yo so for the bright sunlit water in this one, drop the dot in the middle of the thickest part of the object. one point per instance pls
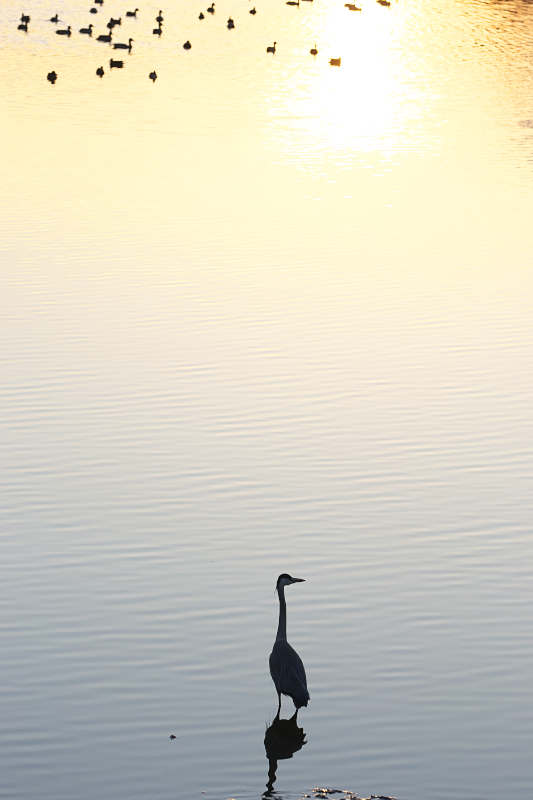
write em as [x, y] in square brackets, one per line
[267, 315]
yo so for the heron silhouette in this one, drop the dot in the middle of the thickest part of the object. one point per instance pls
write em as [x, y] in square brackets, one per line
[286, 666]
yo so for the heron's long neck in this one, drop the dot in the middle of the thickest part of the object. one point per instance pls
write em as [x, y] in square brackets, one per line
[281, 635]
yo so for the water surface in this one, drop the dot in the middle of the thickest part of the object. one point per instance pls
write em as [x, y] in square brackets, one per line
[266, 315]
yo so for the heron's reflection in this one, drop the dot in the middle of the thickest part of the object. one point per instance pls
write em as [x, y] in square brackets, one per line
[282, 740]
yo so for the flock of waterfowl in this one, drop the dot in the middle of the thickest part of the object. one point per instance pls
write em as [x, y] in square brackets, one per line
[107, 38]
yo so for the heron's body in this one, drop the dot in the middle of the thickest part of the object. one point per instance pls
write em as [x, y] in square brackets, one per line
[286, 667]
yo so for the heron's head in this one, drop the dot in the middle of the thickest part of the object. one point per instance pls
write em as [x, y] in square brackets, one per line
[286, 580]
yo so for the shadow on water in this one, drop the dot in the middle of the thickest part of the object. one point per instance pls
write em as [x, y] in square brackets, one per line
[282, 740]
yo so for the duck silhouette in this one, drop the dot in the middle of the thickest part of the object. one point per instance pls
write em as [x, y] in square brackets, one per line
[68, 32]
[187, 45]
[253, 11]
[272, 49]
[132, 13]
[100, 72]
[314, 51]
[153, 76]
[52, 76]
[122, 46]
[88, 31]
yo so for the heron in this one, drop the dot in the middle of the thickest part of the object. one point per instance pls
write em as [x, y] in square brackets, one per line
[286, 666]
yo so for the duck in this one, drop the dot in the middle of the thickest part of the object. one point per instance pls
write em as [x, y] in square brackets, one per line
[314, 51]
[201, 16]
[211, 10]
[159, 17]
[68, 32]
[88, 31]
[153, 76]
[52, 76]
[121, 46]
[293, 3]
[23, 27]
[272, 49]
[25, 18]
[352, 7]
[100, 72]
[116, 21]
[104, 38]
[384, 3]
[117, 64]
[132, 13]
[335, 62]
[158, 31]
[231, 24]
[100, 2]
[253, 11]
[187, 45]
[93, 11]
[54, 19]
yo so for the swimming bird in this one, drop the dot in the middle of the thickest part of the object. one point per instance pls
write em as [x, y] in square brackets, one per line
[158, 31]
[253, 11]
[335, 62]
[23, 27]
[132, 13]
[68, 32]
[117, 64]
[286, 666]
[351, 6]
[88, 31]
[25, 18]
[314, 51]
[211, 10]
[159, 17]
[272, 49]
[52, 76]
[153, 76]
[384, 3]
[121, 46]
[116, 21]
[187, 45]
[201, 16]
[100, 72]
[231, 24]
[54, 19]
[100, 2]
[105, 38]
[93, 11]
[293, 3]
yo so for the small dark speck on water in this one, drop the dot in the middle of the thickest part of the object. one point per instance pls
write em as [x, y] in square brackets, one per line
[172, 736]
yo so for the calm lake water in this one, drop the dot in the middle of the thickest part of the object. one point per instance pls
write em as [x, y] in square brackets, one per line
[267, 315]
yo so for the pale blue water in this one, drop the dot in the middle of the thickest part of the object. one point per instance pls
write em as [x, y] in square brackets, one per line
[267, 316]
